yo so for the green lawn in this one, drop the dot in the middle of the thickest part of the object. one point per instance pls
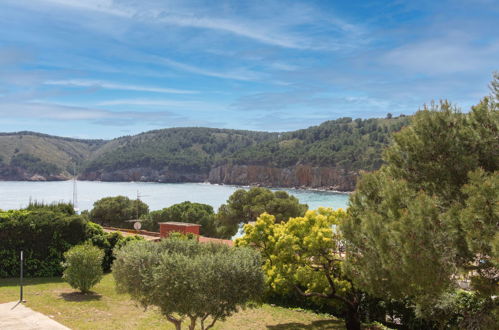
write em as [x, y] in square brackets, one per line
[105, 309]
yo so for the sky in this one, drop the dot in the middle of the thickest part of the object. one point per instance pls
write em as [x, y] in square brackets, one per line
[108, 68]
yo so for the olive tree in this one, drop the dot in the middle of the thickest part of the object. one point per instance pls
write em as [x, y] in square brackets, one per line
[203, 283]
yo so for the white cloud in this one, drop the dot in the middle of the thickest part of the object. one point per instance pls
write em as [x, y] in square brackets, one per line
[274, 30]
[111, 85]
[241, 74]
[443, 56]
[51, 111]
[190, 105]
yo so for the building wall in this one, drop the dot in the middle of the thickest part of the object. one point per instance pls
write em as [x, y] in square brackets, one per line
[165, 229]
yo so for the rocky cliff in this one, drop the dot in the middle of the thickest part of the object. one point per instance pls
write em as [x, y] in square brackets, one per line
[144, 174]
[300, 176]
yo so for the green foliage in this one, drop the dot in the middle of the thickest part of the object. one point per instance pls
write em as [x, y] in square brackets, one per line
[44, 235]
[45, 151]
[83, 266]
[34, 164]
[183, 278]
[244, 206]
[66, 208]
[114, 211]
[442, 145]
[429, 217]
[461, 310]
[108, 242]
[305, 254]
[343, 143]
[188, 154]
[184, 150]
[201, 214]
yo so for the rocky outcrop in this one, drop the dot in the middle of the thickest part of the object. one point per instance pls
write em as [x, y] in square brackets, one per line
[300, 176]
[144, 174]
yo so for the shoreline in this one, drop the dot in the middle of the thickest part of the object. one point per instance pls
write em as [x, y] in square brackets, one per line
[205, 182]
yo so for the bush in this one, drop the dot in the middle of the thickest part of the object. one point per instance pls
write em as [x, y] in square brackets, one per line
[204, 282]
[83, 267]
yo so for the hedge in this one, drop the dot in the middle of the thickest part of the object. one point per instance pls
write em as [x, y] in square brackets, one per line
[44, 235]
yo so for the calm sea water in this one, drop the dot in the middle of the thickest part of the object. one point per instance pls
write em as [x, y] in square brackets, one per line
[17, 194]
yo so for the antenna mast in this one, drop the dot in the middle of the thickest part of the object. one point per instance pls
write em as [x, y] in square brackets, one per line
[75, 192]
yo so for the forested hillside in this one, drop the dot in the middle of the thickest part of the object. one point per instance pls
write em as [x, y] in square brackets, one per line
[326, 156]
[173, 152]
[345, 143]
[35, 156]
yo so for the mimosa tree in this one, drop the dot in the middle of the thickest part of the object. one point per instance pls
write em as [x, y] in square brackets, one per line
[305, 254]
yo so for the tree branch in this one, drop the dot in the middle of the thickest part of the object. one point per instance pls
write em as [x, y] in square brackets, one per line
[211, 324]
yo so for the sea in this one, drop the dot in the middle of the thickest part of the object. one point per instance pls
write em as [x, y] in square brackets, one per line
[18, 194]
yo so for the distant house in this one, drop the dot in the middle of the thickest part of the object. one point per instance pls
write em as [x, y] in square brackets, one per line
[165, 228]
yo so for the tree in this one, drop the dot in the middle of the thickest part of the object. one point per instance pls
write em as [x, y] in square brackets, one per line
[114, 211]
[305, 254]
[185, 279]
[244, 206]
[83, 267]
[198, 213]
[428, 218]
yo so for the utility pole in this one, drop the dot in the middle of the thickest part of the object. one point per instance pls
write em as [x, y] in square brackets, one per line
[75, 192]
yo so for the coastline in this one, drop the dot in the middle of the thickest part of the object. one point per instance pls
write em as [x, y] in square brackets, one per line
[302, 188]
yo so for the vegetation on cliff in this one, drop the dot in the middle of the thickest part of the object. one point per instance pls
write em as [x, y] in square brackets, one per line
[188, 154]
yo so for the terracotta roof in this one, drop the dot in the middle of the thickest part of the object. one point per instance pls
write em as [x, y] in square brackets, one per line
[186, 224]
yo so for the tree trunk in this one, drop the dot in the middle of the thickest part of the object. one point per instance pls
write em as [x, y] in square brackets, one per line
[178, 323]
[192, 326]
[352, 319]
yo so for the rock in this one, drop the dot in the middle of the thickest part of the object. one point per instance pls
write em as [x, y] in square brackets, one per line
[302, 176]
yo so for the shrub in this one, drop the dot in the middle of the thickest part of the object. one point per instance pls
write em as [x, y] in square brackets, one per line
[83, 267]
[204, 282]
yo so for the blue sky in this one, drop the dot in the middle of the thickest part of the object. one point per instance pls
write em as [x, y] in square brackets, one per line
[103, 68]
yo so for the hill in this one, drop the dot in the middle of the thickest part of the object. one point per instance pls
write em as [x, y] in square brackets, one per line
[327, 156]
[169, 155]
[35, 156]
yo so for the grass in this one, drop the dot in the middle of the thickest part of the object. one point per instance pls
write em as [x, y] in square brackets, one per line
[105, 309]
